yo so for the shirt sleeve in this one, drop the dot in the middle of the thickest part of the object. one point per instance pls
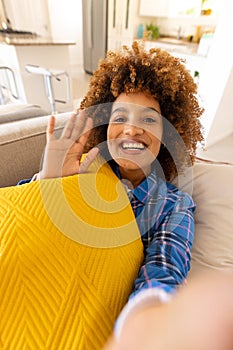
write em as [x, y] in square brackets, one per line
[168, 254]
[146, 298]
[167, 260]
[25, 181]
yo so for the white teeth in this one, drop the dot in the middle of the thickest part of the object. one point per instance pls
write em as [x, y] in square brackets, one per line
[132, 145]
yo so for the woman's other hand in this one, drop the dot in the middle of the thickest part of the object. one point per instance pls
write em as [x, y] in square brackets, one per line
[198, 317]
[62, 156]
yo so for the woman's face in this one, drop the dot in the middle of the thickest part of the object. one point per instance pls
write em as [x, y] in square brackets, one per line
[135, 131]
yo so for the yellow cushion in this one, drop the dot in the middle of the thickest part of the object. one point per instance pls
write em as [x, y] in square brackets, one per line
[70, 251]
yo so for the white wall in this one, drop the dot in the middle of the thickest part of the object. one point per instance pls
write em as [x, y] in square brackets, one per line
[66, 24]
[222, 124]
[217, 80]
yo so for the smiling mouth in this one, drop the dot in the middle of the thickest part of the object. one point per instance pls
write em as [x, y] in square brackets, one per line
[134, 146]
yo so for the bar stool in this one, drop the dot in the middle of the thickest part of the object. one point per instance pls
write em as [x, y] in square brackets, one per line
[48, 75]
[8, 86]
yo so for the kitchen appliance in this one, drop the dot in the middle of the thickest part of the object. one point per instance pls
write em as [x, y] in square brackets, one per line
[94, 32]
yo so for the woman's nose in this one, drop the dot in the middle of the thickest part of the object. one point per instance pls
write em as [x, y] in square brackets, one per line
[132, 130]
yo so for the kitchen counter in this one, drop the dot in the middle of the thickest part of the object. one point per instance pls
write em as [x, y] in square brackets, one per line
[19, 50]
[172, 44]
[30, 40]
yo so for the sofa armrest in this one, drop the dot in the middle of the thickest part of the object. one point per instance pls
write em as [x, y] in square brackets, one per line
[21, 147]
[13, 112]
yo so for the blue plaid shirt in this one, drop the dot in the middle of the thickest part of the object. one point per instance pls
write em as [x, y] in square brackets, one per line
[165, 219]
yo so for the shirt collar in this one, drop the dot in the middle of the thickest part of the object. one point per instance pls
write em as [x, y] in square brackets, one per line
[144, 191]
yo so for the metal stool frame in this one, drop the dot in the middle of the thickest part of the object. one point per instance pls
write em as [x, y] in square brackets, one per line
[48, 75]
[13, 90]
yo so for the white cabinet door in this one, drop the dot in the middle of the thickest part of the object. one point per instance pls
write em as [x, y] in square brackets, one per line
[155, 8]
[122, 22]
[113, 24]
[29, 15]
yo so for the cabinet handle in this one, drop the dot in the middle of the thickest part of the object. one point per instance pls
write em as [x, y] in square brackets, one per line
[90, 24]
[127, 15]
[114, 14]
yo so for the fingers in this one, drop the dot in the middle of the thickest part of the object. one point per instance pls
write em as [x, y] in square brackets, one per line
[86, 132]
[50, 128]
[77, 126]
[90, 157]
[67, 131]
[81, 126]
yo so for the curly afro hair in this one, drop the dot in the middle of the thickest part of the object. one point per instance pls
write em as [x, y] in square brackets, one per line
[164, 77]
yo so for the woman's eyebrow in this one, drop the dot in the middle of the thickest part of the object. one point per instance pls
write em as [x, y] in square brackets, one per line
[147, 109]
[144, 109]
[119, 109]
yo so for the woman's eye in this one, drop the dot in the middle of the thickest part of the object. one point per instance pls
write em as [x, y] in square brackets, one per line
[149, 120]
[119, 119]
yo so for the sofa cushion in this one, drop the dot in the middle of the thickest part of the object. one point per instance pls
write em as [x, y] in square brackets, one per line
[14, 112]
[70, 251]
[212, 190]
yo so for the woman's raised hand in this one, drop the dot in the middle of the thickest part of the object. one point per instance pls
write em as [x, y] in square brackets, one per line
[62, 156]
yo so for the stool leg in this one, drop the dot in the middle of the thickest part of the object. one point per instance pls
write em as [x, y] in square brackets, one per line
[2, 99]
[49, 91]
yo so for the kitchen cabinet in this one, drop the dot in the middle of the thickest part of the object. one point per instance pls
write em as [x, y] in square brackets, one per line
[29, 15]
[169, 8]
[155, 8]
[191, 8]
[123, 21]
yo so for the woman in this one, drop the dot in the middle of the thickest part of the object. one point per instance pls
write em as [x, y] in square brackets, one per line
[141, 114]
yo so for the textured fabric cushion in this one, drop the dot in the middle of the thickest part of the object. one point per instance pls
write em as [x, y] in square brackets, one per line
[213, 194]
[70, 251]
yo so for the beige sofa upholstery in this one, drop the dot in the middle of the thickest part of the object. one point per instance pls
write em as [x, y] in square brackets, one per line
[211, 185]
[21, 147]
[13, 112]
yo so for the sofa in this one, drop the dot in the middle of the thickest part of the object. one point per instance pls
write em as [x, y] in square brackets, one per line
[21, 150]
[210, 183]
